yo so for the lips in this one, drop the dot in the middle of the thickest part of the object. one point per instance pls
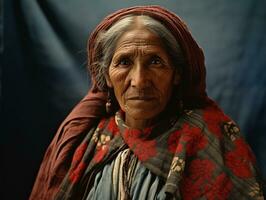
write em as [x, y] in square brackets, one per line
[141, 98]
[140, 95]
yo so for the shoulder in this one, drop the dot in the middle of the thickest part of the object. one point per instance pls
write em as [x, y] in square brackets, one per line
[220, 156]
[213, 121]
[210, 134]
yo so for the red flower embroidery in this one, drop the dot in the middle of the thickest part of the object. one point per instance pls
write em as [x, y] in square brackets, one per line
[147, 131]
[201, 170]
[98, 157]
[77, 166]
[76, 173]
[101, 123]
[240, 159]
[199, 173]
[173, 142]
[112, 126]
[189, 136]
[144, 149]
[213, 118]
[220, 188]
[189, 190]
[79, 153]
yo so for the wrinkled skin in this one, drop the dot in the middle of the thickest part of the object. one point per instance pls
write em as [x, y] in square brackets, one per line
[142, 76]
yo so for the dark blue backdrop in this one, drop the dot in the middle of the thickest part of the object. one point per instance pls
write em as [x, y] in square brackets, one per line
[44, 70]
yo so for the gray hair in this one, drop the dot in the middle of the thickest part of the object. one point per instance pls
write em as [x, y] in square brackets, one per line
[107, 41]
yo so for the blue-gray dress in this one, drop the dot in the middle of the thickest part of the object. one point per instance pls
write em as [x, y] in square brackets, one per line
[110, 182]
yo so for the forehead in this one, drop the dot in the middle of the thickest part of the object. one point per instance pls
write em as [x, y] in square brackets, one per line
[139, 37]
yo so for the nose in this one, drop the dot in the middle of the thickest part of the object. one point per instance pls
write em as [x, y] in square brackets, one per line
[140, 77]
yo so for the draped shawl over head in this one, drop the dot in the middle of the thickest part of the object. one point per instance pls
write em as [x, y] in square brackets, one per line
[72, 131]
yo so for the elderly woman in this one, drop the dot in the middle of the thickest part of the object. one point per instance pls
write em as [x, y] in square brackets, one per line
[147, 129]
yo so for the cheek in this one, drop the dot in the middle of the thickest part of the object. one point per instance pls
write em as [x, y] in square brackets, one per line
[118, 79]
[164, 84]
[166, 93]
[118, 76]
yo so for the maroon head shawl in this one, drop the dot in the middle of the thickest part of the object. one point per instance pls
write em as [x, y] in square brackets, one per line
[58, 156]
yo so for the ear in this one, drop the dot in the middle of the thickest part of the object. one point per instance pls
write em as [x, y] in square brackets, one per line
[108, 81]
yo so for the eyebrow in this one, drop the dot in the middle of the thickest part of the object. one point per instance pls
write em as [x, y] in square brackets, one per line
[131, 53]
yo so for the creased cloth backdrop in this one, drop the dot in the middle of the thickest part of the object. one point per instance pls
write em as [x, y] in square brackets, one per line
[43, 74]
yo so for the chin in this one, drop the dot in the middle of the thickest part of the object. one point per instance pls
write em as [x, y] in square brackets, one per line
[141, 114]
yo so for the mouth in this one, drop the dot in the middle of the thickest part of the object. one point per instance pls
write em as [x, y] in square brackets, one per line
[141, 98]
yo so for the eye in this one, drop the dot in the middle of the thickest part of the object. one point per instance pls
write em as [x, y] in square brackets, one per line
[123, 62]
[156, 60]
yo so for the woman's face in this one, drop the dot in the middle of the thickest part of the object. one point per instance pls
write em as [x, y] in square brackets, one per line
[141, 74]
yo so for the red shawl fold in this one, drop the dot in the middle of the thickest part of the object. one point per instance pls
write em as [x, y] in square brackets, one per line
[58, 156]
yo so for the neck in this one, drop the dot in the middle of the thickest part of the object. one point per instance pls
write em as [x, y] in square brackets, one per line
[137, 123]
[170, 110]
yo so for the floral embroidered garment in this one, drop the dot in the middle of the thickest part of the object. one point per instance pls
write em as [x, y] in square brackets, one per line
[198, 154]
